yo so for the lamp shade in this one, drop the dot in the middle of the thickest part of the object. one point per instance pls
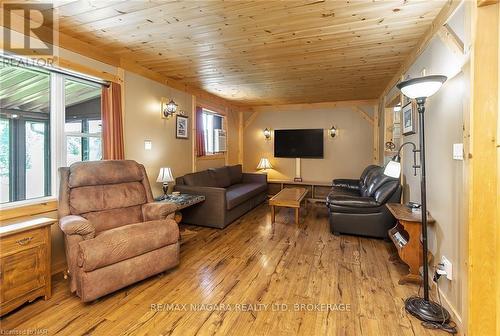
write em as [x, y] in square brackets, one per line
[165, 175]
[393, 169]
[421, 87]
[264, 164]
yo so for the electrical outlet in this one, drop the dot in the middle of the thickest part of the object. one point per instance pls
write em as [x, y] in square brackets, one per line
[448, 268]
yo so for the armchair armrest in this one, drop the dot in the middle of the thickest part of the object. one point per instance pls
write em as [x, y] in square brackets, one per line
[77, 225]
[254, 178]
[157, 210]
[346, 183]
[354, 201]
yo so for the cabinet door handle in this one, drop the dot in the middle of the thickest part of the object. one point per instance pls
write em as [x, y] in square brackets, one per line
[24, 241]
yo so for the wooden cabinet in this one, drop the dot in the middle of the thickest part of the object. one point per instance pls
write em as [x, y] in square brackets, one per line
[406, 236]
[24, 262]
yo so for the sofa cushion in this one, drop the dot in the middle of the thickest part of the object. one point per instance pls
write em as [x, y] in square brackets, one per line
[239, 193]
[200, 179]
[370, 176]
[126, 242]
[106, 197]
[221, 176]
[89, 173]
[235, 173]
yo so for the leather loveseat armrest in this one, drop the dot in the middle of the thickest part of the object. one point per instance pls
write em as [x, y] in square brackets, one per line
[354, 201]
[254, 178]
[157, 210]
[346, 183]
[77, 225]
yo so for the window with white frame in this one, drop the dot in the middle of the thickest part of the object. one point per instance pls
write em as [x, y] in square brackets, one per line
[47, 120]
[214, 132]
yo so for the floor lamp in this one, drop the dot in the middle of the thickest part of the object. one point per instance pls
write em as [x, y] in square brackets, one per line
[420, 89]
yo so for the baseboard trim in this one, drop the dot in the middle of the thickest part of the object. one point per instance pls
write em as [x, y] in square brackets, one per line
[454, 314]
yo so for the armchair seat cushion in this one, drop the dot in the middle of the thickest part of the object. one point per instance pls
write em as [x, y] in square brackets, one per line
[239, 193]
[121, 243]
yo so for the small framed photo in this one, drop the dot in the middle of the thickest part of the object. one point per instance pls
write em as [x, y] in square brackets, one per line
[181, 127]
[409, 115]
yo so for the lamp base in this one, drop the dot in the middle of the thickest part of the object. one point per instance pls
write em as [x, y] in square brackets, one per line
[427, 311]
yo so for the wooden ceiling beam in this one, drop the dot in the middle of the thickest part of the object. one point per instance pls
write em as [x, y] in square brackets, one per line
[446, 12]
[451, 39]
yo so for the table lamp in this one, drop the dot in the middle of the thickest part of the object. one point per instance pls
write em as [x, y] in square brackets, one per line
[264, 164]
[165, 176]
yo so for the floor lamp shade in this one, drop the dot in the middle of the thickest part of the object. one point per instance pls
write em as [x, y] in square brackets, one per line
[421, 87]
[393, 169]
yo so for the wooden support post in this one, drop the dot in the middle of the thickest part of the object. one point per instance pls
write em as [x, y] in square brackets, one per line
[484, 174]
[240, 137]
[376, 131]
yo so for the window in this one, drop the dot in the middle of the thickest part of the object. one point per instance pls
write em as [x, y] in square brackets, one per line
[32, 100]
[82, 128]
[214, 133]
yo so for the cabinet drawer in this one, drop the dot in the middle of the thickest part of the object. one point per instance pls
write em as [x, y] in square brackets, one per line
[21, 241]
[22, 272]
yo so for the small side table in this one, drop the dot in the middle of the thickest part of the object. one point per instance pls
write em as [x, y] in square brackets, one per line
[406, 236]
[181, 201]
[24, 261]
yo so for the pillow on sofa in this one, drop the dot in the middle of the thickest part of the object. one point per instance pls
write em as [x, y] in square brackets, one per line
[200, 179]
[221, 177]
[235, 174]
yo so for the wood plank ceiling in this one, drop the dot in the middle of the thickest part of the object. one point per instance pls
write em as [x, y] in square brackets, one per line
[259, 52]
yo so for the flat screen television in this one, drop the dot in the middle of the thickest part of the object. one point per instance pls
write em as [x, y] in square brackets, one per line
[298, 143]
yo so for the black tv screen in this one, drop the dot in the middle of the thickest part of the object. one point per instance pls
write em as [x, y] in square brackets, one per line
[298, 143]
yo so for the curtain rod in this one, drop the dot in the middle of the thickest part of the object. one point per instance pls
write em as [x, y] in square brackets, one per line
[19, 61]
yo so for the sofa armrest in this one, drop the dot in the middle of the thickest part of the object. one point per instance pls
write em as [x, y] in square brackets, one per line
[77, 225]
[254, 178]
[208, 192]
[157, 210]
[354, 201]
[346, 183]
[211, 212]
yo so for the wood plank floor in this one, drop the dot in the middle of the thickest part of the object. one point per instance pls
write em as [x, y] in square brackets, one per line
[250, 262]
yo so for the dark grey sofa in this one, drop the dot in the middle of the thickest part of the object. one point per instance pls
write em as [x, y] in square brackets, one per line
[229, 193]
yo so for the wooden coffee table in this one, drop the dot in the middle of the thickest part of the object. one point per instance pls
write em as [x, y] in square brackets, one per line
[288, 198]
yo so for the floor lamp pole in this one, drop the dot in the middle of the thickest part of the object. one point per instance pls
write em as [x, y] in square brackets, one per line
[423, 195]
[423, 308]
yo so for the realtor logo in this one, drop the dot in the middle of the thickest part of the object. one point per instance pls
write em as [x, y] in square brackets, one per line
[30, 28]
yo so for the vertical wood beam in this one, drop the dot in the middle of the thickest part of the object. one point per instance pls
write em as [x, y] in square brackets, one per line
[376, 131]
[193, 133]
[484, 222]
[240, 137]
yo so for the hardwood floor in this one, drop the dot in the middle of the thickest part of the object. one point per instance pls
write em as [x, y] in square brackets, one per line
[250, 262]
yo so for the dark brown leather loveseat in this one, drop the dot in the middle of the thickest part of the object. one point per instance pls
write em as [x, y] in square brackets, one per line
[229, 193]
[358, 206]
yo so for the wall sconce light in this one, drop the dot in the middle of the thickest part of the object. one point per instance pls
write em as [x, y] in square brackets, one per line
[267, 134]
[333, 131]
[397, 108]
[148, 144]
[168, 108]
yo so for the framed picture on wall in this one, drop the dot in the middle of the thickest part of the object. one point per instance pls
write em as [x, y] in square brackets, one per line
[181, 127]
[409, 115]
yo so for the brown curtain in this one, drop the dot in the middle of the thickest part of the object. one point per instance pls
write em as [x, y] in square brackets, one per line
[200, 133]
[112, 124]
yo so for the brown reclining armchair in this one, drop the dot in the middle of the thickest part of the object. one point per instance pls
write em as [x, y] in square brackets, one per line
[115, 234]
